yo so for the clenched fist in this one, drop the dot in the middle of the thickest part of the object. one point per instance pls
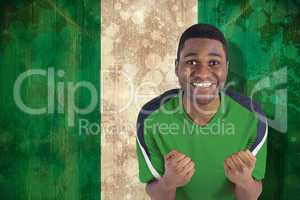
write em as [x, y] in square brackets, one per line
[239, 166]
[179, 169]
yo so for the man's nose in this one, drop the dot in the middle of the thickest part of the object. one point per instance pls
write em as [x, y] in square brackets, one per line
[202, 70]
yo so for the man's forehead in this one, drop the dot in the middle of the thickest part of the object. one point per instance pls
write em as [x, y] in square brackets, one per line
[196, 43]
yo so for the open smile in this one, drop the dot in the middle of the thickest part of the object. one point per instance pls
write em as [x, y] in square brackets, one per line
[203, 84]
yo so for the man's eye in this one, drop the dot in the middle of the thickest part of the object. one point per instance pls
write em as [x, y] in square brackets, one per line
[192, 62]
[213, 62]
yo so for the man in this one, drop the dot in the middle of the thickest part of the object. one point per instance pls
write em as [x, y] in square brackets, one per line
[201, 141]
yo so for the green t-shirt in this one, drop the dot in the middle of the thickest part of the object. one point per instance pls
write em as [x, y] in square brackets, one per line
[163, 126]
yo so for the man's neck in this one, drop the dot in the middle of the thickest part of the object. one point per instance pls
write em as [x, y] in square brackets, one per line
[201, 113]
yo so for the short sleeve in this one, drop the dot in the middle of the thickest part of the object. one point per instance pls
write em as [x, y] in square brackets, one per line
[260, 166]
[261, 152]
[150, 159]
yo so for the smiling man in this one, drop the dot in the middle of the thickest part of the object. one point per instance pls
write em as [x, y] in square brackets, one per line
[201, 141]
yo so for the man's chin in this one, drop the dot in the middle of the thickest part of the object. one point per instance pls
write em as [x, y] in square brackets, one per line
[201, 97]
[204, 99]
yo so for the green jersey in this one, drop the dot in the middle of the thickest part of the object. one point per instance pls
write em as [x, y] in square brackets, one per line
[163, 126]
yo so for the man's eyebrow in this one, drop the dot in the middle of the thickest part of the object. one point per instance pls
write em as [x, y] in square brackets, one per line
[190, 54]
[214, 54]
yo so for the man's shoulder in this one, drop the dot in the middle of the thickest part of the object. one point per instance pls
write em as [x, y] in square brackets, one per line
[157, 105]
[244, 103]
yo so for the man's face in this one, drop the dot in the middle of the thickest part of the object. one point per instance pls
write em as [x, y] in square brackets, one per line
[202, 69]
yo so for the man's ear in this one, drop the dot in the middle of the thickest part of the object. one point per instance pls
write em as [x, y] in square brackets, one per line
[176, 66]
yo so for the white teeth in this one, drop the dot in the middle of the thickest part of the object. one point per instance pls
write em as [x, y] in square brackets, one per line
[203, 84]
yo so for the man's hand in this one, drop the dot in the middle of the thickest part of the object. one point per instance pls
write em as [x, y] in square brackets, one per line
[179, 169]
[239, 166]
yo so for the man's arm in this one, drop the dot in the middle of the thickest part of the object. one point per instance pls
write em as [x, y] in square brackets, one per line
[179, 170]
[250, 190]
[158, 190]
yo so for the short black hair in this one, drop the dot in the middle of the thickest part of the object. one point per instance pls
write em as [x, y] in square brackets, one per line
[201, 31]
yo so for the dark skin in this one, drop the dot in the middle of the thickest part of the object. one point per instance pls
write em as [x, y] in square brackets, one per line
[201, 60]
[202, 71]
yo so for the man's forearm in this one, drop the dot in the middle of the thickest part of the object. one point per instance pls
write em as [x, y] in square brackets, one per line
[157, 190]
[248, 191]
